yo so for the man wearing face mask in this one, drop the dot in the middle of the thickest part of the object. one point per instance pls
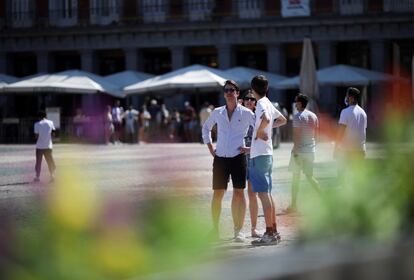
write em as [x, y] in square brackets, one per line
[351, 135]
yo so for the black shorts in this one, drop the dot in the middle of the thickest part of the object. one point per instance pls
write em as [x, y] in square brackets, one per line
[224, 167]
[117, 126]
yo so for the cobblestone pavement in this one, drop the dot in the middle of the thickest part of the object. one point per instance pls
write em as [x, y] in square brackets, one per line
[136, 171]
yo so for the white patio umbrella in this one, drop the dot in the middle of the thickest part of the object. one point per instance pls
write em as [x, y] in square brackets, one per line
[126, 78]
[244, 75]
[308, 81]
[341, 75]
[194, 77]
[70, 81]
[6, 79]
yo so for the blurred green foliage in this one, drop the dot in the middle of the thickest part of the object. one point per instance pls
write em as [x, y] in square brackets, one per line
[75, 235]
[373, 198]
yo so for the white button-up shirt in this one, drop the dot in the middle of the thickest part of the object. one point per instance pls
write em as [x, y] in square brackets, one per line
[230, 133]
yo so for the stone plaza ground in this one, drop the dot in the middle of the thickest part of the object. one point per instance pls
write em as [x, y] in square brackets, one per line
[137, 172]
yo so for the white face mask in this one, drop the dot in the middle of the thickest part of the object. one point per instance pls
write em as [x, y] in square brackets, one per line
[346, 101]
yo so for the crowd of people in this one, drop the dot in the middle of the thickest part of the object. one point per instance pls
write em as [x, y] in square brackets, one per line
[153, 123]
[243, 150]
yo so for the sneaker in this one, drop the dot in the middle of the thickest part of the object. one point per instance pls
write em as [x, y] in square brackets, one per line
[36, 180]
[277, 236]
[256, 234]
[267, 239]
[239, 236]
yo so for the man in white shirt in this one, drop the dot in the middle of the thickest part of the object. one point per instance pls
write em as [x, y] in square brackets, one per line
[352, 128]
[261, 157]
[117, 113]
[43, 131]
[233, 121]
[131, 118]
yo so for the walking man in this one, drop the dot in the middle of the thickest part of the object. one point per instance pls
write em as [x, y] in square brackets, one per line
[233, 121]
[351, 137]
[261, 157]
[305, 127]
[43, 132]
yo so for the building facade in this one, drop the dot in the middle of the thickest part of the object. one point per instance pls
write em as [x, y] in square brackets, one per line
[156, 36]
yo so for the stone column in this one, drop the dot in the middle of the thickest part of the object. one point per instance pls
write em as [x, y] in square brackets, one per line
[87, 61]
[131, 56]
[276, 60]
[378, 55]
[326, 58]
[42, 58]
[326, 54]
[178, 57]
[140, 61]
[276, 63]
[3, 63]
[378, 58]
[225, 56]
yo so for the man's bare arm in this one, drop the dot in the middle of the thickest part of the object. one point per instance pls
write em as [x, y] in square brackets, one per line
[261, 134]
[296, 138]
[279, 121]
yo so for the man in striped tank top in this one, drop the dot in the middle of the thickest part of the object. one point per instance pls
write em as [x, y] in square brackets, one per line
[305, 128]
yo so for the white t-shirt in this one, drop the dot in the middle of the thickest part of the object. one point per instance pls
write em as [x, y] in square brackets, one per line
[117, 114]
[260, 147]
[44, 130]
[355, 120]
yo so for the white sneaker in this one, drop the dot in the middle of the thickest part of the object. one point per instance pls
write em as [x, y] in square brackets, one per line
[239, 236]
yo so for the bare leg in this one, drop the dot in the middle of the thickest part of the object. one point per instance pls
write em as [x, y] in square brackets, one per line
[314, 183]
[238, 208]
[273, 211]
[38, 167]
[216, 208]
[253, 207]
[50, 162]
[267, 208]
[295, 189]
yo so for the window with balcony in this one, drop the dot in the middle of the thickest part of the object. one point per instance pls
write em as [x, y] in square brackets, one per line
[105, 12]
[63, 12]
[21, 12]
[351, 7]
[154, 10]
[249, 8]
[200, 10]
[398, 6]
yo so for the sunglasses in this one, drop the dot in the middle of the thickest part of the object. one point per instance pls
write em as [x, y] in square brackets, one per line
[229, 90]
[250, 99]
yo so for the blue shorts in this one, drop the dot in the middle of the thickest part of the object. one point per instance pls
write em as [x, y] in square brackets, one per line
[260, 173]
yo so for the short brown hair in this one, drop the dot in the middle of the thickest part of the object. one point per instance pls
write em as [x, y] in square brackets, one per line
[302, 99]
[260, 85]
[354, 92]
[233, 83]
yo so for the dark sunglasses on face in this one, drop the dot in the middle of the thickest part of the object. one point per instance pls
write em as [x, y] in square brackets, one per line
[229, 90]
[250, 99]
